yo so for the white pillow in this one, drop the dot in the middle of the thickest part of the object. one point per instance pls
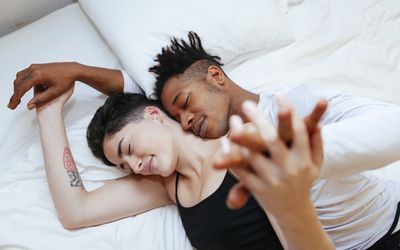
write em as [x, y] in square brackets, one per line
[232, 29]
[62, 36]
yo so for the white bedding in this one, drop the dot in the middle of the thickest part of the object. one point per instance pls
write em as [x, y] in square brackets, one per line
[28, 219]
[350, 45]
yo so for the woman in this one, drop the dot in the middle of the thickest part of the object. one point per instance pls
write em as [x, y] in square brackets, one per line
[178, 168]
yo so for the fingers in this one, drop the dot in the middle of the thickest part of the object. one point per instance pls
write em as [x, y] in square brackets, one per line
[266, 131]
[263, 168]
[245, 134]
[301, 144]
[38, 89]
[25, 81]
[234, 157]
[260, 174]
[314, 118]
[237, 196]
[22, 72]
[285, 128]
[41, 95]
[230, 156]
[317, 146]
[249, 178]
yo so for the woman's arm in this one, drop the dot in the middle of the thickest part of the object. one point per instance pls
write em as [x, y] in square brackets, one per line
[75, 206]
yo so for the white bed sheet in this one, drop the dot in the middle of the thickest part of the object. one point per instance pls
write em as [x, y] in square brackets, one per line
[28, 219]
[350, 45]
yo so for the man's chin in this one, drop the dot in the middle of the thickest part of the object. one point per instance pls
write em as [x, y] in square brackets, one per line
[215, 134]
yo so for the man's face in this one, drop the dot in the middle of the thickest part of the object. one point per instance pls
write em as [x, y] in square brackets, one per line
[198, 105]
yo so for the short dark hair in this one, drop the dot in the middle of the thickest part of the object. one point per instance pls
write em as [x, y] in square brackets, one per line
[118, 111]
[176, 58]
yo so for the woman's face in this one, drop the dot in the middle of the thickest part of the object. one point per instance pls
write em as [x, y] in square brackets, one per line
[146, 147]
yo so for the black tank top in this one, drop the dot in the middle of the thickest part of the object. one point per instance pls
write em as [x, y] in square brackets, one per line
[210, 224]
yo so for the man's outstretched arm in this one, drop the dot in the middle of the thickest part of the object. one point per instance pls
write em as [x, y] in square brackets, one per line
[58, 78]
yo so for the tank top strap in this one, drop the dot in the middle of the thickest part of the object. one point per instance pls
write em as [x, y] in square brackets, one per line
[176, 188]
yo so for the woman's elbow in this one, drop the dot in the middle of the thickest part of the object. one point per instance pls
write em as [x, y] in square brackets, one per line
[70, 222]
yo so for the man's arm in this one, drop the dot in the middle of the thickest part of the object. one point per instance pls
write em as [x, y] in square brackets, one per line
[58, 78]
[107, 81]
[75, 206]
[359, 134]
[364, 136]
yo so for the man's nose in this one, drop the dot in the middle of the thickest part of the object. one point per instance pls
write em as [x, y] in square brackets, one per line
[186, 120]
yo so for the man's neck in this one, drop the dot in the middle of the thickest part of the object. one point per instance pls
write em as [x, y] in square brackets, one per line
[238, 96]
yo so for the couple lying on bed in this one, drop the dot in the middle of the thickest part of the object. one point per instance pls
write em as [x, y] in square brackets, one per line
[278, 166]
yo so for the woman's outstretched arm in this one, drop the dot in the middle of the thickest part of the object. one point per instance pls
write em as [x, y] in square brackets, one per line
[75, 206]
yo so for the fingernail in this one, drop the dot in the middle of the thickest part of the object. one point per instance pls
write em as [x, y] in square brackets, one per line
[245, 152]
[225, 146]
[236, 123]
[249, 106]
[31, 106]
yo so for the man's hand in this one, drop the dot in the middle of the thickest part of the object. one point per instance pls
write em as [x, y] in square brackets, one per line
[248, 136]
[51, 80]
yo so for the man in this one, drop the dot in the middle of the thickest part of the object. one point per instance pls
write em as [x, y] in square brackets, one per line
[357, 133]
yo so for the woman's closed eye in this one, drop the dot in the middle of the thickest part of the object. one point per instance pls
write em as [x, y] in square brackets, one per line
[130, 149]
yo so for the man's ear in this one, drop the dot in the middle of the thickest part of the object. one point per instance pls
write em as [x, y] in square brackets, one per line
[153, 113]
[215, 76]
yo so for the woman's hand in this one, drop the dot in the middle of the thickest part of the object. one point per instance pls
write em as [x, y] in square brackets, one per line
[286, 174]
[55, 104]
[246, 135]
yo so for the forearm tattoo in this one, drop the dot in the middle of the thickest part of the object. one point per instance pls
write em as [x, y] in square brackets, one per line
[72, 171]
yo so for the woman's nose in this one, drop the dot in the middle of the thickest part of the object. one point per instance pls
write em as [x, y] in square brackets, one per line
[136, 164]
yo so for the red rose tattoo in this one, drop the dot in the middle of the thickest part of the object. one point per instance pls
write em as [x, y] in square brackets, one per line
[72, 171]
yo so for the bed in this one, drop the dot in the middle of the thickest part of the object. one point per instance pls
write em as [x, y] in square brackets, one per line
[349, 45]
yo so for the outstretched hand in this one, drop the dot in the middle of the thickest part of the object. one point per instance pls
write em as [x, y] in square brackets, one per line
[51, 80]
[248, 136]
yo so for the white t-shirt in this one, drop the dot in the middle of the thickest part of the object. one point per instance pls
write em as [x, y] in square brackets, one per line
[130, 86]
[355, 207]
